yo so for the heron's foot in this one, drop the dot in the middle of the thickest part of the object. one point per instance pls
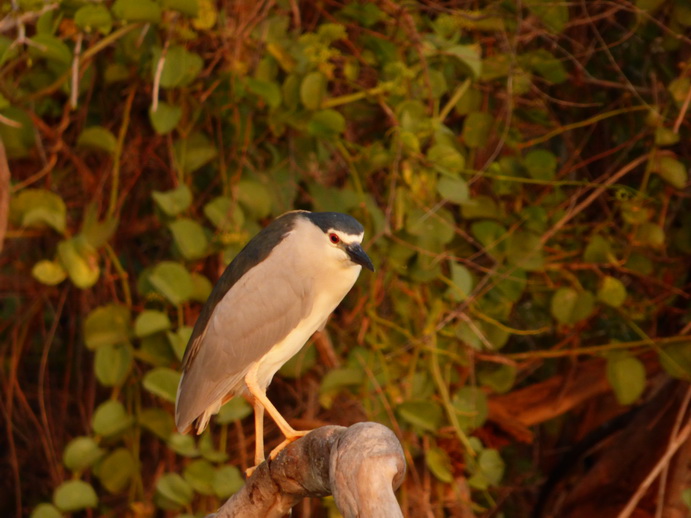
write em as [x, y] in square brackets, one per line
[249, 471]
[294, 436]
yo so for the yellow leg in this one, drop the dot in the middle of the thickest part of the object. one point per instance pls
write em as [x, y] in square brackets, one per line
[261, 400]
[259, 431]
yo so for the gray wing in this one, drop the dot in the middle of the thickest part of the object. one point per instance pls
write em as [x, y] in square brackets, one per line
[256, 313]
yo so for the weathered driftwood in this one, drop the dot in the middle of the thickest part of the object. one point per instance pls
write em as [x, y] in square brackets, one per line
[361, 466]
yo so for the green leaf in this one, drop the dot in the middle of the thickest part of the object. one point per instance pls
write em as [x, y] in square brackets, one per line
[166, 117]
[80, 453]
[227, 481]
[510, 284]
[452, 189]
[175, 201]
[671, 170]
[598, 250]
[38, 208]
[162, 382]
[193, 152]
[269, 91]
[326, 124]
[107, 325]
[438, 462]
[151, 321]
[470, 404]
[425, 415]
[650, 234]
[612, 292]
[545, 64]
[524, 249]
[173, 281]
[480, 207]
[224, 214]
[179, 340]
[313, 90]
[98, 137]
[462, 281]
[446, 159]
[438, 226]
[492, 236]
[47, 272]
[676, 360]
[94, 17]
[112, 363]
[157, 421]
[74, 495]
[234, 410]
[188, 7]
[570, 306]
[175, 489]
[468, 55]
[183, 445]
[137, 11]
[490, 470]
[554, 15]
[180, 67]
[200, 475]
[626, 375]
[541, 164]
[201, 287]
[476, 129]
[97, 233]
[50, 48]
[80, 260]
[117, 470]
[500, 378]
[110, 418]
[255, 198]
[46, 511]
[189, 238]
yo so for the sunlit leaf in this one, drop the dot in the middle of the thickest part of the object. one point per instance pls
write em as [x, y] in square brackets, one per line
[438, 462]
[175, 201]
[470, 404]
[173, 281]
[234, 410]
[157, 421]
[227, 481]
[46, 511]
[74, 495]
[189, 237]
[425, 415]
[137, 10]
[541, 164]
[151, 321]
[112, 363]
[570, 306]
[117, 470]
[676, 360]
[80, 453]
[462, 281]
[166, 117]
[626, 375]
[49, 272]
[612, 291]
[188, 7]
[110, 418]
[38, 208]
[476, 129]
[162, 382]
[326, 124]
[80, 260]
[671, 170]
[98, 137]
[453, 189]
[175, 489]
[200, 475]
[313, 90]
[193, 152]
[107, 325]
[49, 47]
[266, 90]
[94, 17]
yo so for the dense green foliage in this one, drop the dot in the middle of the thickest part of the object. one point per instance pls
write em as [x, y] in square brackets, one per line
[518, 166]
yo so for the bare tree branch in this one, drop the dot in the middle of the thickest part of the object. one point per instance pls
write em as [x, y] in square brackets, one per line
[361, 466]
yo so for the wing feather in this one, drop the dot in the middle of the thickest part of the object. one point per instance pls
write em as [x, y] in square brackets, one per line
[256, 313]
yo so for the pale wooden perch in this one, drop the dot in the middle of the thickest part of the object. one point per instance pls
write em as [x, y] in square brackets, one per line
[361, 466]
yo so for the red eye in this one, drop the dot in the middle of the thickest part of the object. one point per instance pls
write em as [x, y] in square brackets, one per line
[334, 239]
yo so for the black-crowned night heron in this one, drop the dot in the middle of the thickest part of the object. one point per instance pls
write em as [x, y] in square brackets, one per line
[273, 296]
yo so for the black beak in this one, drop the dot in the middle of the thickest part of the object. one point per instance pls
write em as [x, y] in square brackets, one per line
[358, 256]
